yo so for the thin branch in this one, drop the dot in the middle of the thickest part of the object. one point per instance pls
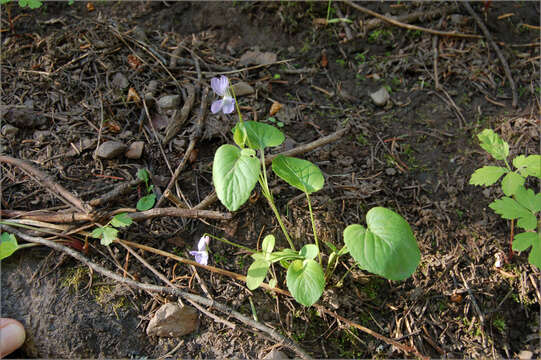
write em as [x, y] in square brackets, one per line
[408, 26]
[55, 188]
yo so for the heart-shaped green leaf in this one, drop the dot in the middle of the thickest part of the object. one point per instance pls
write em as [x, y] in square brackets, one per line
[306, 281]
[234, 174]
[387, 248]
[256, 273]
[146, 202]
[8, 245]
[309, 251]
[258, 135]
[298, 173]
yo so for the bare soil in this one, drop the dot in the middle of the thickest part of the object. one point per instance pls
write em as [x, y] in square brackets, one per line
[61, 89]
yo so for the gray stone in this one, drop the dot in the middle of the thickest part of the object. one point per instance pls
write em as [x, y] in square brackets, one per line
[457, 19]
[179, 144]
[390, 171]
[9, 131]
[380, 97]
[242, 88]
[172, 320]
[24, 118]
[525, 355]
[135, 150]
[41, 135]
[275, 355]
[120, 81]
[257, 58]
[169, 102]
[111, 149]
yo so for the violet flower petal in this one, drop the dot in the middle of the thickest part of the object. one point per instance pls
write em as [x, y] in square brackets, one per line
[216, 106]
[201, 257]
[203, 243]
[228, 105]
[219, 85]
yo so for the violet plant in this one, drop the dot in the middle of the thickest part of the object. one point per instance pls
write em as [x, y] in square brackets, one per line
[386, 246]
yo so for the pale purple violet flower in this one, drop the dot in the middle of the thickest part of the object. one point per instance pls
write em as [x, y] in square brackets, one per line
[221, 87]
[202, 254]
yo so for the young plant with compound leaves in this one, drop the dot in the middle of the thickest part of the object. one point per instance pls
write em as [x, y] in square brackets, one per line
[109, 232]
[386, 247]
[519, 203]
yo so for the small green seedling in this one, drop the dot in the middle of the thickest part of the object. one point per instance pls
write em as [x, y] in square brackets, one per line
[274, 121]
[147, 201]
[519, 203]
[108, 233]
[32, 4]
[8, 245]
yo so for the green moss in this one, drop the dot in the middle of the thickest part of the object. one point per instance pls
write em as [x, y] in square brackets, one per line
[74, 277]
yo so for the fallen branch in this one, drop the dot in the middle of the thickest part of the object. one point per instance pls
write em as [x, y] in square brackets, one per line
[162, 289]
[198, 130]
[66, 218]
[56, 189]
[180, 116]
[408, 26]
[496, 48]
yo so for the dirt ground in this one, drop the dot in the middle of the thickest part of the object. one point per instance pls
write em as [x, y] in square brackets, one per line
[75, 76]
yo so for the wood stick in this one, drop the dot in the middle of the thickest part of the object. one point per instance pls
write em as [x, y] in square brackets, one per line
[55, 188]
[408, 26]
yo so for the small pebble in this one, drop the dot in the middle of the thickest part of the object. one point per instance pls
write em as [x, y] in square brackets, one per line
[120, 81]
[242, 88]
[380, 97]
[9, 131]
[111, 149]
[525, 355]
[390, 171]
[135, 150]
[169, 102]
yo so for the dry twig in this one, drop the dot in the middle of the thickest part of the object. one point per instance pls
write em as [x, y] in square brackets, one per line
[55, 188]
[408, 26]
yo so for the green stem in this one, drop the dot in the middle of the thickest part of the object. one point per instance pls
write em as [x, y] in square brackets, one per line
[313, 226]
[230, 243]
[268, 195]
[236, 103]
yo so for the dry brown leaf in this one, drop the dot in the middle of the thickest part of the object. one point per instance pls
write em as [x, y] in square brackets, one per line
[90, 7]
[133, 96]
[275, 107]
[324, 62]
[134, 62]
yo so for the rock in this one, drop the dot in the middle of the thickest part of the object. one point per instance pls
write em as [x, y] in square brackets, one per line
[257, 58]
[179, 144]
[169, 102]
[380, 97]
[41, 135]
[150, 90]
[9, 131]
[275, 355]
[139, 34]
[24, 118]
[390, 171]
[457, 19]
[135, 150]
[120, 81]
[242, 88]
[125, 134]
[111, 149]
[525, 355]
[172, 320]
[486, 193]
